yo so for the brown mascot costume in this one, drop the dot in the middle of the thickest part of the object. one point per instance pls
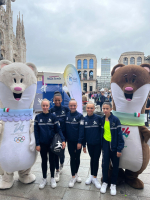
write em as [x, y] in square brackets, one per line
[130, 86]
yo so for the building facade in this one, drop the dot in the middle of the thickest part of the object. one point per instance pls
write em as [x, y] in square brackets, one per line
[133, 57]
[12, 47]
[86, 65]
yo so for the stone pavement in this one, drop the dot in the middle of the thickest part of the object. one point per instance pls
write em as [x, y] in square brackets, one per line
[20, 191]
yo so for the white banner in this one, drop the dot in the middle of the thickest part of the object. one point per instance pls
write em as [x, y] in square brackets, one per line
[53, 78]
[72, 81]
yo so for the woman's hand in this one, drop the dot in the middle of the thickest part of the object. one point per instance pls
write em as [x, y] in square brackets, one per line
[63, 145]
[84, 149]
[38, 148]
[119, 154]
[79, 146]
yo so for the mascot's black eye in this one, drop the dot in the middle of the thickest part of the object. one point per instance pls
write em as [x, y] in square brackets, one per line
[133, 80]
[21, 80]
[126, 79]
[14, 80]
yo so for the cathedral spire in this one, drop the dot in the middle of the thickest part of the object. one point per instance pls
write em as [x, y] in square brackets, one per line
[8, 6]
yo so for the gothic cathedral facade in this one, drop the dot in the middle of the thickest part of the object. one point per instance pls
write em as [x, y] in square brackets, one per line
[12, 47]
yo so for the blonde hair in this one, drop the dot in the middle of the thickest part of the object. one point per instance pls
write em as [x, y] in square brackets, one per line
[45, 100]
[72, 100]
[90, 102]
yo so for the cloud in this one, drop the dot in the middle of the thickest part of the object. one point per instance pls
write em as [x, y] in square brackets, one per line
[57, 30]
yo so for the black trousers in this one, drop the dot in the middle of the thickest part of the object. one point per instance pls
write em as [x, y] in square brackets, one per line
[62, 159]
[74, 157]
[94, 152]
[107, 156]
[45, 149]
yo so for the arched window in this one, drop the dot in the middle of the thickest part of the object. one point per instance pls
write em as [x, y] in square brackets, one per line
[132, 60]
[139, 61]
[79, 72]
[85, 75]
[91, 63]
[85, 64]
[91, 75]
[13, 60]
[125, 61]
[79, 64]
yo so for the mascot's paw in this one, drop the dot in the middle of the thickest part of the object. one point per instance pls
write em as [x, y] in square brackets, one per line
[135, 183]
[32, 146]
[6, 185]
[27, 178]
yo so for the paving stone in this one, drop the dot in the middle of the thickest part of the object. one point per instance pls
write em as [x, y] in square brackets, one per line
[145, 178]
[46, 194]
[135, 192]
[143, 198]
[3, 197]
[117, 197]
[75, 194]
[18, 190]
[83, 172]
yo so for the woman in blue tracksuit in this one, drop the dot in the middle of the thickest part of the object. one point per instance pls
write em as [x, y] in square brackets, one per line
[60, 112]
[45, 127]
[74, 136]
[92, 136]
[112, 145]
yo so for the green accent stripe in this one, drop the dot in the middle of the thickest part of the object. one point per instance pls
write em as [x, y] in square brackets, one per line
[130, 119]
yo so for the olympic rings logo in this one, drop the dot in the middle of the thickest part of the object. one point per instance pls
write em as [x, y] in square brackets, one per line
[19, 139]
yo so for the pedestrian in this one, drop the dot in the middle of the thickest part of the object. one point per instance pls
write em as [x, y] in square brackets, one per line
[147, 109]
[112, 145]
[92, 136]
[84, 99]
[75, 135]
[60, 112]
[102, 99]
[45, 127]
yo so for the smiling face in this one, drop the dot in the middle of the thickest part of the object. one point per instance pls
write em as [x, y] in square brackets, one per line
[130, 86]
[57, 101]
[90, 109]
[72, 106]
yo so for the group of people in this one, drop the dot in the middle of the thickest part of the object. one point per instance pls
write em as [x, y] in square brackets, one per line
[99, 98]
[90, 132]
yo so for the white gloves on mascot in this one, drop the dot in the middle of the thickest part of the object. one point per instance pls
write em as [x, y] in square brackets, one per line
[17, 143]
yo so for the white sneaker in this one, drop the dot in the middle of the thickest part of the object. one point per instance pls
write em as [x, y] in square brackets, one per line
[43, 183]
[96, 183]
[61, 168]
[103, 188]
[72, 182]
[57, 177]
[113, 189]
[89, 180]
[78, 178]
[53, 183]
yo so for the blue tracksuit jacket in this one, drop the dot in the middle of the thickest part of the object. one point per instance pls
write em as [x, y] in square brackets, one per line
[75, 127]
[45, 127]
[60, 113]
[92, 130]
[117, 141]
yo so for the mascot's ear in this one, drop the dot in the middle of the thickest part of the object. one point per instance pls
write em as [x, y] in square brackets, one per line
[33, 67]
[116, 67]
[146, 66]
[4, 63]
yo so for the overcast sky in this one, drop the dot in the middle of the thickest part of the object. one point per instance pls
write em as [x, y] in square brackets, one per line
[58, 30]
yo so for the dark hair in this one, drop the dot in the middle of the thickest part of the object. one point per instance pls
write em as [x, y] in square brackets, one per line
[57, 94]
[107, 103]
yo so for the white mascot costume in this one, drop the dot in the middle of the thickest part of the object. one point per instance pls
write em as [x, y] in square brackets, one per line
[18, 84]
